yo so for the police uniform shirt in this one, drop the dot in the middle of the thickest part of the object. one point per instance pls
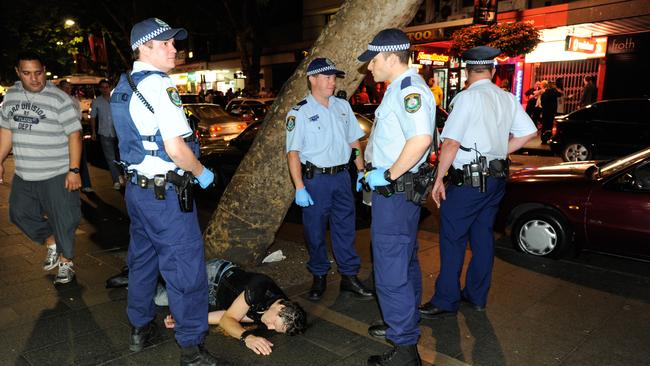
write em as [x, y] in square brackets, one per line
[169, 118]
[407, 110]
[322, 135]
[485, 115]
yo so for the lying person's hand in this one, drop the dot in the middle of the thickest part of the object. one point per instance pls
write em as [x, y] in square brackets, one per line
[259, 345]
[169, 322]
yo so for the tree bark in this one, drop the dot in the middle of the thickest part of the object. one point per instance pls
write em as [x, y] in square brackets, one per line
[256, 200]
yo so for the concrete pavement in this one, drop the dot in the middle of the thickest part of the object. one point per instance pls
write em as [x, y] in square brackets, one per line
[540, 312]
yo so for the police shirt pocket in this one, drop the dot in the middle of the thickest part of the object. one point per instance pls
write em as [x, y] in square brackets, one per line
[313, 127]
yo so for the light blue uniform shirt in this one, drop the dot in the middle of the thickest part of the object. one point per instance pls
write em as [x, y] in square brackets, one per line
[485, 115]
[407, 110]
[322, 135]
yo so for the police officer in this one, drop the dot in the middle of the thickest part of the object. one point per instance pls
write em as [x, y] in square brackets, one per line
[165, 237]
[322, 132]
[403, 132]
[479, 128]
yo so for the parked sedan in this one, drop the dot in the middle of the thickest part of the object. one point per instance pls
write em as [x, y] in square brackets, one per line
[608, 128]
[603, 206]
[212, 122]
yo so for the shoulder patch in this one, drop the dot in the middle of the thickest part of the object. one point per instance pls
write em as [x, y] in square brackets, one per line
[412, 102]
[291, 123]
[300, 104]
[406, 82]
[174, 97]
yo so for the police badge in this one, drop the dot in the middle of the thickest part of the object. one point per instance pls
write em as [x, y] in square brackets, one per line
[291, 123]
[412, 102]
[174, 97]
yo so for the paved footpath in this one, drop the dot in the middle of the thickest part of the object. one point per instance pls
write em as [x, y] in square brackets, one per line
[540, 312]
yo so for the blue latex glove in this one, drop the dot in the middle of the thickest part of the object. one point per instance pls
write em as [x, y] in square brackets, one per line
[375, 178]
[360, 176]
[303, 199]
[205, 178]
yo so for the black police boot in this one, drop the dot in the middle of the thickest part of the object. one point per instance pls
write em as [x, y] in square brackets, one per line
[378, 329]
[199, 356]
[398, 356]
[353, 285]
[142, 336]
[429, 311]
[119, 280]
[318, 287]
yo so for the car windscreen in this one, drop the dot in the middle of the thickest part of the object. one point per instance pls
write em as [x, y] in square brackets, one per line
[617, 165]
[209, 113]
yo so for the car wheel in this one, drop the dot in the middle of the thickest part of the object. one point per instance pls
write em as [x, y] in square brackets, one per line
[576, 151]
[542, 233]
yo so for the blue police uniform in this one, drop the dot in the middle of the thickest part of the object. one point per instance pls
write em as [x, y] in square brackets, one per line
[322, 136]
[407, 110]
[164, 239]
[482, 118]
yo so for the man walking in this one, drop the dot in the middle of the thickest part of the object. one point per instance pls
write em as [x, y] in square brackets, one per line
[40, 122]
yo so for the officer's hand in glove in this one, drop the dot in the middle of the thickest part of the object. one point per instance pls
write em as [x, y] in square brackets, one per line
[360, 176]
[205, 178]
[375, 178]
[303, 199]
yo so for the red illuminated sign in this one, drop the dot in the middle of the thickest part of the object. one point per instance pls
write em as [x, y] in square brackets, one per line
[424, 58]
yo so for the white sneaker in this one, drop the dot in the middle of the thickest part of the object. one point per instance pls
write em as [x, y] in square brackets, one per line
[117, 186]
[52, 258]
[66, 273]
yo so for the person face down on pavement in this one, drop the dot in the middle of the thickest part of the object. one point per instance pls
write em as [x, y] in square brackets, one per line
[237, 296]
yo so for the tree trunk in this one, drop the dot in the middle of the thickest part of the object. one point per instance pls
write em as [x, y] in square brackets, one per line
[259, 195]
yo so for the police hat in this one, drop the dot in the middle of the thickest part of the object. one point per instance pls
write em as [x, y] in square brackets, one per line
[481, 55]
[154, 28]
[323, 66]
[388, 40]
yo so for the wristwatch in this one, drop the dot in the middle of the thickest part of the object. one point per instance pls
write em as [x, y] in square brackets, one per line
[74, 170]
[387, 176]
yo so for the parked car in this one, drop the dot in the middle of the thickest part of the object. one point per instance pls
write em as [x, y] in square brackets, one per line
[212, 122]
[233, 107]
[553, 211]
[608, 128]
[223, 157]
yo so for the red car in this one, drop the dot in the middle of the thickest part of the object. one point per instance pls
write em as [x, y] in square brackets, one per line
[602, 206]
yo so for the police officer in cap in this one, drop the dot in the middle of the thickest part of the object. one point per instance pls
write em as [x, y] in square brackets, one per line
[478, 129]
[322, 132]
[402, 136]
[165, 237]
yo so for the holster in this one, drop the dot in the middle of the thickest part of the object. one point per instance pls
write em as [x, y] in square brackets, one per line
[183, 186]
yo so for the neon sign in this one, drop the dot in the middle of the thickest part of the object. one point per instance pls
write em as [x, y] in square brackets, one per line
[424, 58]
[577, 44]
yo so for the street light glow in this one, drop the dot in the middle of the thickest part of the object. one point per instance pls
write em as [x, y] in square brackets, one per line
[69, 22]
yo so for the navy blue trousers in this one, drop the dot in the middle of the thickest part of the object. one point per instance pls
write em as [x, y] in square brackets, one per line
[398, 279]
[333, 203]
[167, 241]
[467, 214]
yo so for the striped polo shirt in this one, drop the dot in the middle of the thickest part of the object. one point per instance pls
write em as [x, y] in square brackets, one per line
[40, 124]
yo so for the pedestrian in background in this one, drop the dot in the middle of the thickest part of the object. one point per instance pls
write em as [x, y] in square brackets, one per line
[86, 184]
[165, 236]
[549, 99]
[42, 125]
[101, 122]
[322, 132]
[479, 127]
[402, 135]
[589, 92]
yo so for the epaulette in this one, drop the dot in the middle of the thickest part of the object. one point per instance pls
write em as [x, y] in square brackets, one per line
[300, 104]
[406, 82]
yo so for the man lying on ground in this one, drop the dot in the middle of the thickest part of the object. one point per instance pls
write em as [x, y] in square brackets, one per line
[237, 296]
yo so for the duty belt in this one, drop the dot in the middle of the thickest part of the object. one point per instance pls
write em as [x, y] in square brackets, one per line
[143, 182]
[310, 169]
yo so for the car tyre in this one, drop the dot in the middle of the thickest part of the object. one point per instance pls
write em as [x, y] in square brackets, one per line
[543, 233]
[576, 151]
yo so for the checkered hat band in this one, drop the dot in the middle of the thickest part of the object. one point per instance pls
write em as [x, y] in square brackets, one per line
[318, 71]
[389, 48]
[149, 36]
[479, 62]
